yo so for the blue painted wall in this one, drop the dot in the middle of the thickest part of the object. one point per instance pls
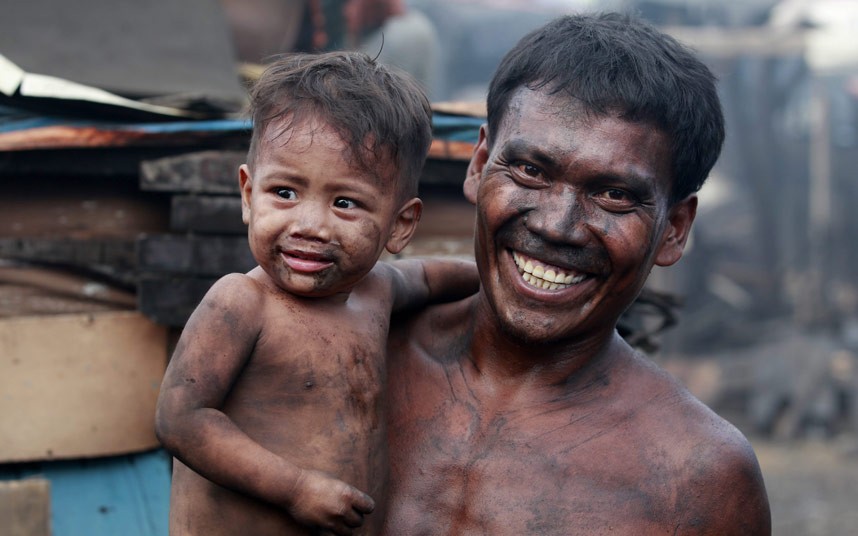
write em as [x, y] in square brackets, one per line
[118, 496]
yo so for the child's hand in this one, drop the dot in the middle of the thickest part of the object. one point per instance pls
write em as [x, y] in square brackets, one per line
[328, 503]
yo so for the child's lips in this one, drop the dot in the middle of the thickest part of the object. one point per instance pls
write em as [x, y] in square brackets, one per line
[306, 262]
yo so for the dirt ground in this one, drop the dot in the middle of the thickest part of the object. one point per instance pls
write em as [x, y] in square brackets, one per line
[812, 485]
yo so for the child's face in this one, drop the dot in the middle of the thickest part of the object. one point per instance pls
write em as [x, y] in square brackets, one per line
[316, 223]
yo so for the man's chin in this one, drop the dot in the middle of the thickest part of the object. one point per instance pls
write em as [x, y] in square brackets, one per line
[529, 328]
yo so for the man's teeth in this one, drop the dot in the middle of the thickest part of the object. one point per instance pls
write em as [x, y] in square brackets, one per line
[546, 278]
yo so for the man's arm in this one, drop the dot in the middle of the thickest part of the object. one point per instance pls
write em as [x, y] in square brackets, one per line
[418, 282]
[214, 347]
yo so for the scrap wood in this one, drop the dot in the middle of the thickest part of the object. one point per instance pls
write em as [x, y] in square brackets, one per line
[65, 136]
[471, 109]
[23, 300]
[91, 254]
[64, 283]
[451, 150]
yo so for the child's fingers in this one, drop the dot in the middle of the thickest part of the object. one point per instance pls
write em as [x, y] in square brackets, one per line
[363, 503]
[353, 519]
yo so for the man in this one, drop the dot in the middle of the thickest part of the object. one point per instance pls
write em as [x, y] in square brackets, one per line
[520, 410]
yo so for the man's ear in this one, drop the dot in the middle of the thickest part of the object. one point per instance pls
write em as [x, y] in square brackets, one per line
[678, 229]
[476, 165]
[245, 184]
[405, 225]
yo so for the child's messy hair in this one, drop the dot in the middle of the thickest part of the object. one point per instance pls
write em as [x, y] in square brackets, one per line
[379, 111]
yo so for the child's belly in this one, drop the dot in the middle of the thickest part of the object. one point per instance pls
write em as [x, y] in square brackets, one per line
[336, 425]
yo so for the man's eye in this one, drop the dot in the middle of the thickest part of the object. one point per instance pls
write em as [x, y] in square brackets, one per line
[527, 174]
[528, 169]
[285, 193]
[344, 202]
[616, 195]
[616, 199]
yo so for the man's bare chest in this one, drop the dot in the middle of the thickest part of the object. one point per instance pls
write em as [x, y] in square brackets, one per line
[492, 466]
[508, 484]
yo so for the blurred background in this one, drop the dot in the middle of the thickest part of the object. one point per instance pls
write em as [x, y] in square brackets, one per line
[121, 128]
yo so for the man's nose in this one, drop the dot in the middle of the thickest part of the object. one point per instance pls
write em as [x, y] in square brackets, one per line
[310, 220]
[560, 216]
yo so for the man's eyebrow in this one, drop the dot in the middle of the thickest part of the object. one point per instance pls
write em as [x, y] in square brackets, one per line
[521, 147]
[632, 179]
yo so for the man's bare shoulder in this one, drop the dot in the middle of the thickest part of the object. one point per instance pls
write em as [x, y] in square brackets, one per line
[435, 329]
[717, 477]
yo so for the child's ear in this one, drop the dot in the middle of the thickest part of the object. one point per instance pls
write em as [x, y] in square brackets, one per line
[245, 184]
[475, 166]
[405, 225]
[678, 230]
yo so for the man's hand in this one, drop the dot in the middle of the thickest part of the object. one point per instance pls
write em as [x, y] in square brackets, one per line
[331, 504]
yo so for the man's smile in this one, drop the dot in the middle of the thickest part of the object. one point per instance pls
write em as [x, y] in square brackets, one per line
[545, 276]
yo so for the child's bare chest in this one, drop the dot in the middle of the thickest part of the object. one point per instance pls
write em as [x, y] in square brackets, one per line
[315, 368]
[307, 355]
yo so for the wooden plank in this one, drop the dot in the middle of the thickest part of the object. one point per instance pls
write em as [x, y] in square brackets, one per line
[82, 207]
[25, 507]
[107, 163]
[451, 150]
[207, 214]
[170, 300]
[24, 300]
[211, 172]
[64, 283]
[193, 255]
[117, 253]
[119, 495]
[79, 385]
[468, 108]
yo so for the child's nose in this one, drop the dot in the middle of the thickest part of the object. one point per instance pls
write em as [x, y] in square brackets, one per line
[310, 221]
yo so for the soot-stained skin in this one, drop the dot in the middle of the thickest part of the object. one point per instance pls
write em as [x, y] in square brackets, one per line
[308, 393]
[520, 410]
[316, 224]
[274, 402]
[616, 447]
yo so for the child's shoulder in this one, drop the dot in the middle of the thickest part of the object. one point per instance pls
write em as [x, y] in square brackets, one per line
[378, 282]
[236, 290]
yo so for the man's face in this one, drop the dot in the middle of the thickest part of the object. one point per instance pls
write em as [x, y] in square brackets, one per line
[316, 223]
[572, 212]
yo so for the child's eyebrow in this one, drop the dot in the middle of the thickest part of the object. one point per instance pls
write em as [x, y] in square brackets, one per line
[360, 185]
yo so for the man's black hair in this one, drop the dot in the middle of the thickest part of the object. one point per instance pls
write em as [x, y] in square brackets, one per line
[616, 64]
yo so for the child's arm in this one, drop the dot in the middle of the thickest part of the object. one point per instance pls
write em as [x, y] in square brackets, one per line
[421, 281]
[214, 347]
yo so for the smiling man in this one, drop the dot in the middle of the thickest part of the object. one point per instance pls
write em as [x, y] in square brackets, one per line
[521, 410]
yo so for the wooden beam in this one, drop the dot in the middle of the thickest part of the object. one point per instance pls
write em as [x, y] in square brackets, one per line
[207, 214]
[210, 172]
[195, 255]
[118, 254]
[170, 300]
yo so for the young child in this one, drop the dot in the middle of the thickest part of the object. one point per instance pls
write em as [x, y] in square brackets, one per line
[273, 403]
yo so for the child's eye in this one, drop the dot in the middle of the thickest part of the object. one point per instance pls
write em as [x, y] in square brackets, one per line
[344, 202]
[285, 193]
